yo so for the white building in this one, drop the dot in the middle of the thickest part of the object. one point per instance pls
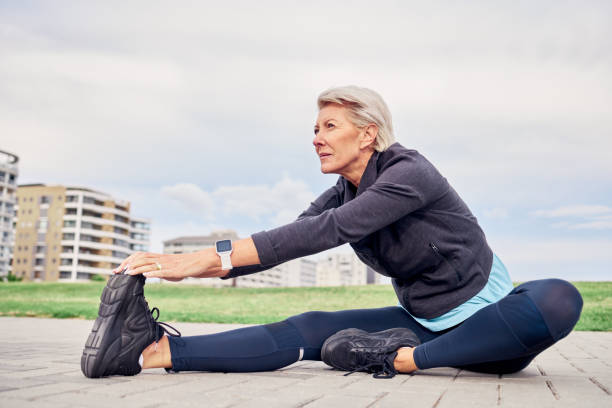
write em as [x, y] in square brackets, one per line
[8, 196]
[294, 273]
[298, 272]
[341, 270]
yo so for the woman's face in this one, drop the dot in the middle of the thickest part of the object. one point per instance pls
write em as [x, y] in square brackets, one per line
[337, 141]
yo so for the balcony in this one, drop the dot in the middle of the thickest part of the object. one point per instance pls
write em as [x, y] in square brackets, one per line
[96, 245]
[97, 208]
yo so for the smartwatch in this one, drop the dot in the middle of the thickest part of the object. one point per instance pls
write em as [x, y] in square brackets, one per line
[224, 249]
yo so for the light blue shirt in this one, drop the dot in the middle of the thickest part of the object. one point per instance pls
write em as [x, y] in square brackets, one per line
[498, 286]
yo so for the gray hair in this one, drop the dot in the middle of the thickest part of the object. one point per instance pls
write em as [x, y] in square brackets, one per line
[365, 107]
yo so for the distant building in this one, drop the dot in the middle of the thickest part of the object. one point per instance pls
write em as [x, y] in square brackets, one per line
[184, 245]
[8, 196]
[190, 244]
[72, 233]
[294, 273]
[341, 270]
[299, 272]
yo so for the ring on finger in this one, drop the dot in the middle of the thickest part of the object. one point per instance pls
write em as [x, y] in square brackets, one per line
[159, 267]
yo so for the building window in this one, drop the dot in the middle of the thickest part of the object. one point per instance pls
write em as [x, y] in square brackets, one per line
[65, 275]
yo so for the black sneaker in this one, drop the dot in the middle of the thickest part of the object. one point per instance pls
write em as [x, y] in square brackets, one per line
[124, 328]
[357, 350]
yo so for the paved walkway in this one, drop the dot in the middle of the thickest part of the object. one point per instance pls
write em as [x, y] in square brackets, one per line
[40, 367]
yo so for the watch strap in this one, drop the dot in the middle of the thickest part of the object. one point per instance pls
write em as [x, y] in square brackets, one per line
[226, 261]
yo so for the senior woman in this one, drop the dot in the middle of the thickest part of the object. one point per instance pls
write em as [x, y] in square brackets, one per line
[404, 220]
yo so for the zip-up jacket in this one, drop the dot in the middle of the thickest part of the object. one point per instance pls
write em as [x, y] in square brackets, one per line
[405, 221]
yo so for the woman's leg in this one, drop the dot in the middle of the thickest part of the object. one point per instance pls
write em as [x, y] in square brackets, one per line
[272, 346]
[505, 336]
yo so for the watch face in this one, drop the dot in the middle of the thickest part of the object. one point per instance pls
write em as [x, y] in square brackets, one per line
[224, 246]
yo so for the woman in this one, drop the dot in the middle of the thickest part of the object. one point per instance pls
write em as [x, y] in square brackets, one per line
[403, 219]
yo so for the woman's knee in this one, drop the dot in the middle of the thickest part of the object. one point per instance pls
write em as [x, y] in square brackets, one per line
[560, 304]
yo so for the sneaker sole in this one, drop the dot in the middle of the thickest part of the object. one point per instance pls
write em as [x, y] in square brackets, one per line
[104, 342]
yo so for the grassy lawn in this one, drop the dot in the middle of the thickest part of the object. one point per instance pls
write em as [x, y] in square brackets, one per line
[192, 303]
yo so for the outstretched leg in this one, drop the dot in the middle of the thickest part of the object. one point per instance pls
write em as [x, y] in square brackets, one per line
[272, 346]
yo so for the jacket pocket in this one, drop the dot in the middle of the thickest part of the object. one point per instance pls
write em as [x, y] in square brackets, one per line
[435, 248]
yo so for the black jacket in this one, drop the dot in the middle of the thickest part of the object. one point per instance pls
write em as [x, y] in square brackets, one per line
[404, 221]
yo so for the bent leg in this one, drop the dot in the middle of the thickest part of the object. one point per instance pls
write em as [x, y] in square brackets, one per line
[505, 336]
[272, 346]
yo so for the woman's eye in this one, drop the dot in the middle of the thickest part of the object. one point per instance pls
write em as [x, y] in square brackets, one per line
[316, 131]
[330, 125]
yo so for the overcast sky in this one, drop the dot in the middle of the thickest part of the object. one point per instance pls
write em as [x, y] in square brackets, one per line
[200, 114]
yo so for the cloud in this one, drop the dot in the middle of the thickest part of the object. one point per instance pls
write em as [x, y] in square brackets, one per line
[282, 201]
[574, 211]
[590, 217]
[576, 259]
[496, 213]
[192, 198]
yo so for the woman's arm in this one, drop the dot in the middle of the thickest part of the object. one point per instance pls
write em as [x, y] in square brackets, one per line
[202, 264]
[207, 264]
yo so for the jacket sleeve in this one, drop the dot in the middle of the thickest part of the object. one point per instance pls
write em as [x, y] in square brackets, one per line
[331, 198]
[403, 187]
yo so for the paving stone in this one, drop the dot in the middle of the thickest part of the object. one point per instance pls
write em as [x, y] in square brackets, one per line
[32, 393]
[17, 403]
[577, 371]
[341, 401]
[411, 399]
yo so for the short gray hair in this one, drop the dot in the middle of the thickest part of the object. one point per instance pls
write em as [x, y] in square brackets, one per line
[365, 106]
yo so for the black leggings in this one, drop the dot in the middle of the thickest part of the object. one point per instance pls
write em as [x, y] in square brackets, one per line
[500, 338]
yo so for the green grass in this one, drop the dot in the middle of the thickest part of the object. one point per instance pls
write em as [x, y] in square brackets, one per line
[192, 303]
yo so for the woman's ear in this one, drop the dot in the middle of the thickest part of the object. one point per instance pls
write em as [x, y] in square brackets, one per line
[369, 136]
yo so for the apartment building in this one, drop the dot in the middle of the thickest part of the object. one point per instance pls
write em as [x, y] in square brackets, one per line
[299, 272]
[72, 233]
[189, 244]
[341, 270]
[8, 196]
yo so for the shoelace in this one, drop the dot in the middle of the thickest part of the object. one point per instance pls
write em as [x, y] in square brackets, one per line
[386, 371]
[165, 326]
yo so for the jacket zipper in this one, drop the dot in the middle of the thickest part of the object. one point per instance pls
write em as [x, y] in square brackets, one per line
[437, 251]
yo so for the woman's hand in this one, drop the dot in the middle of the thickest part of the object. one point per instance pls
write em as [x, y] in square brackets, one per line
[174, 267]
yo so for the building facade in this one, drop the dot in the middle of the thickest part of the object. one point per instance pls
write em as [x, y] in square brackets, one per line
[186, 245]
[72, 233]
[8, 198]
[298, 272]
[341, 270]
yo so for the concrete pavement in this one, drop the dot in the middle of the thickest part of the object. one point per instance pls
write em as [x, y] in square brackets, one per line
[40, 367]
